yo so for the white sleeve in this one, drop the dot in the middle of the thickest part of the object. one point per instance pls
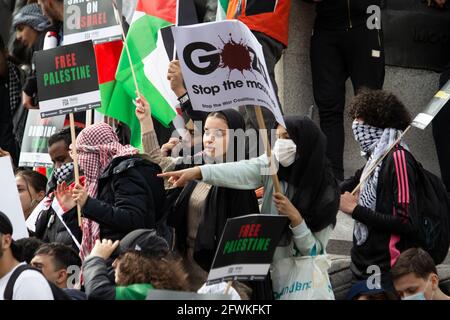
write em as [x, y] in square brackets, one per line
[308, 243]
[242, 175]
[31, 285]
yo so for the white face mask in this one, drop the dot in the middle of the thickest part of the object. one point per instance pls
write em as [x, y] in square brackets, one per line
[284, 151]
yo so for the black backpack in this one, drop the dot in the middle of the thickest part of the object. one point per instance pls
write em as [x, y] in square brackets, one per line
[433, 206]
[58, 293]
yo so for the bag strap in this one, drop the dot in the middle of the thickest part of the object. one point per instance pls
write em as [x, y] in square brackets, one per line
[9, 290]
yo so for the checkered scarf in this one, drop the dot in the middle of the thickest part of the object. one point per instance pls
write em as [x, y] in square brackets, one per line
[96, 145]
[14, 86]
[62, 173]
[374, 142]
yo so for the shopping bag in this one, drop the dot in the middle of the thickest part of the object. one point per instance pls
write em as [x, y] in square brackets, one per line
[302, 278]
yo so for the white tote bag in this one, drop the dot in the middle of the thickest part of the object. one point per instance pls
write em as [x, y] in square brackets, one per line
[302, 278]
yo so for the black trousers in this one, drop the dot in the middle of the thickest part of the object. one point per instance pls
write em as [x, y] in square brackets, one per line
[336, 55]
[441, 134]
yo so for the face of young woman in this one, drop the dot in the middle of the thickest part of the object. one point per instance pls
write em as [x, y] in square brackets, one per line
[26, 35]
[282, 133]
[215, 137]
[26, 195]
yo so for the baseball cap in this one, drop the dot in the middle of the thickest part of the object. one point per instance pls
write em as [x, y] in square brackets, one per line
[362, 288]
[145, 242]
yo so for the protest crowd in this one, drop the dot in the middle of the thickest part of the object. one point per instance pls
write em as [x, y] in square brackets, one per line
[157, 189]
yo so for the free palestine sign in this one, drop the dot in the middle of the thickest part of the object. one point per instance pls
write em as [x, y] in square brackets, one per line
[67, 79]
[246, 248]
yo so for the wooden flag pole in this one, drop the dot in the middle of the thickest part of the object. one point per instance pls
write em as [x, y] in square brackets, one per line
[75, 161]
[119, 21]
[373, 167]
[229, 283]
[89, 118]
[262, 125]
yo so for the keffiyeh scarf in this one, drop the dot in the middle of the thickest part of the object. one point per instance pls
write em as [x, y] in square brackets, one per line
[96, 145]
[374, 143]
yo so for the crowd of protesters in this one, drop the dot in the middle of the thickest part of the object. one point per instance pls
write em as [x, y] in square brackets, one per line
[152, 218]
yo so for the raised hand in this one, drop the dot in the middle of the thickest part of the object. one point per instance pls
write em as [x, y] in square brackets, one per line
[175, 77]
[80, 194]
[144, 114]
[104, 248]
[286, 208]
[64, 196]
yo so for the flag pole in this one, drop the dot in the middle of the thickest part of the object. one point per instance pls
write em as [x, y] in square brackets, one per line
[75, 161]
[262, 126]
[373, 167]
[119, 21]
[176, 24]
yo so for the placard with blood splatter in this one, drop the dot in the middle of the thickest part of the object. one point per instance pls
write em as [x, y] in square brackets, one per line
[223, 67]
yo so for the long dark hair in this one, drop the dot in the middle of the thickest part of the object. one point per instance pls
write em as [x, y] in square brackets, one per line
[317, 193]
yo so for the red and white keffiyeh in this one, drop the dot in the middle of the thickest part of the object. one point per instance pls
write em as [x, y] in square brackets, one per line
[96, 146]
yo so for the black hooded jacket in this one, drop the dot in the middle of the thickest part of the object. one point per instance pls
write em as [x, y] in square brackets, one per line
[316, 190]
[343, 14]
[130, 196]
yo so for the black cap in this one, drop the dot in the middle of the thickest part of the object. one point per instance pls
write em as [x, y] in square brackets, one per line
[7, 228]
[145, 242]
[362, 288]
[5, 224]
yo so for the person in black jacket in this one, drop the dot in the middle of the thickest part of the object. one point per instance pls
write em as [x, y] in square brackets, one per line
[347, 41]
[53, 224]
[9, 101]
[385, 209]
[122, 192]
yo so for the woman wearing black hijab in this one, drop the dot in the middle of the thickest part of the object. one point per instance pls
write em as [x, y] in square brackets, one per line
[310, 194]
[200, 210]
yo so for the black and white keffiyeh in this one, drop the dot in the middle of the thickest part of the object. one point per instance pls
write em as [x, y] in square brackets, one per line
[62, 173]
[374, 142]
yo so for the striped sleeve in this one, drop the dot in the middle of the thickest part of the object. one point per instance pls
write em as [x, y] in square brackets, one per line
[401, 185]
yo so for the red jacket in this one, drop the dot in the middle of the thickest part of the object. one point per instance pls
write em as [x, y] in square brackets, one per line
[274, 24]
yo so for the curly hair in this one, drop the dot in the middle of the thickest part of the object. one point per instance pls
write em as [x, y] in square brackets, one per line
[379, 109]
[162, 273]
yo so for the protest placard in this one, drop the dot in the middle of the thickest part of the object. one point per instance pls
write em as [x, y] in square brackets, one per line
[34, 151]
[90, 20]
[246, 248]
[440, 99]
[10, 201]
[67, 79]
[223, 67]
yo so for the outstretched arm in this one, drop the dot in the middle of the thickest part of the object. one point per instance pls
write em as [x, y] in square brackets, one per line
[243, 175]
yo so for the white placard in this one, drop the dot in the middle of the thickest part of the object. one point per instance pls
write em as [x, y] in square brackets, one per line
[9, 199]
[223, 67]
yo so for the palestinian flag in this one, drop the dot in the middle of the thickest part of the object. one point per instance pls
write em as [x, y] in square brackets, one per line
[150, 61]
[222, 8]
